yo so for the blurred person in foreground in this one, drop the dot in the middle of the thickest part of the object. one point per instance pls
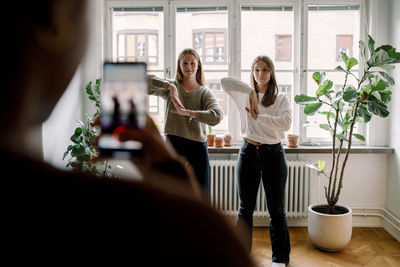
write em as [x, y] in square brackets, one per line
[50, 216]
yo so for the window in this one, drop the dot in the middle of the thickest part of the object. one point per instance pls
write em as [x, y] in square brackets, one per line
[287, 89]
[205, 29]
[137, 35]
[211, 45]
[344, 43]
[152, 105]
[283, 46]
[222, 97]
[323, 48]
[137, 45]
[229, 34]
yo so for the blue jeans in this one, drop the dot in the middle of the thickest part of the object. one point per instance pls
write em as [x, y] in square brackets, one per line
[266, 163]
[196, 153]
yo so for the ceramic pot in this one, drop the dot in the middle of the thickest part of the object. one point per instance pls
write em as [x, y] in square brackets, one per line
[210, 139]
[292, 140]
[330, 232]
[218, 141]
[227, 140]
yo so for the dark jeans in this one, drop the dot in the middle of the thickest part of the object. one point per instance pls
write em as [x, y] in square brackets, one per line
[196, 154]
[266, 163]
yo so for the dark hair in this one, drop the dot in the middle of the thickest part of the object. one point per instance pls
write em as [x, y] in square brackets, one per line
[272, 90]
[199, 72]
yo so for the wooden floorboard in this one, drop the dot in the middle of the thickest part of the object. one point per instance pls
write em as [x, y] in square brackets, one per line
[368, 247]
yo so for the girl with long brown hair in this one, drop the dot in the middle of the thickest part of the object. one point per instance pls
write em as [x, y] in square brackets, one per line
[190, 108]
[265, 115]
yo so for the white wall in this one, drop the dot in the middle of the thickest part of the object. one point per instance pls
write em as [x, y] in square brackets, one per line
[393, 179]
[74, 103]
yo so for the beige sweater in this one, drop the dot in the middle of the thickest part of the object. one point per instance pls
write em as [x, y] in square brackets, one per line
[201, 100]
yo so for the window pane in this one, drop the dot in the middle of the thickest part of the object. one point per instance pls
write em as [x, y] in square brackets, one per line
[205, 30]
[261, 25]
[324, 49]
[283, 48]
[322, 43]
[272, 38]
[140, 32]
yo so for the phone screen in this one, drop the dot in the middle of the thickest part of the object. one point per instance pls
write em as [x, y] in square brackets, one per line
[123, 105]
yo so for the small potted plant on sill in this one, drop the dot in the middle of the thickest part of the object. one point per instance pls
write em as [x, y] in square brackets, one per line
[293, 140]
[210, 136]
[219, 141]
[227, 139]
[347, 106]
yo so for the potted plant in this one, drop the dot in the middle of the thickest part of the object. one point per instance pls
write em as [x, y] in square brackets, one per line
[219, 141]
[293, 140]
[210, 136]
[227, 139]
[346, 107]
[82, 151]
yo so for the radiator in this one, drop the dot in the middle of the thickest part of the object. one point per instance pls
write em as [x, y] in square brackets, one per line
[224, 194]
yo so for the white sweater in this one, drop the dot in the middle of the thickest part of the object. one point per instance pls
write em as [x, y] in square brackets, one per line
[272, 121]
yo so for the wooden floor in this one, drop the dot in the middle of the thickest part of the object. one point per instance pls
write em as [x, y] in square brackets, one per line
[368, 247]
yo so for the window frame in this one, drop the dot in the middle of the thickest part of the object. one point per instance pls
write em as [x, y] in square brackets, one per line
[233, 43]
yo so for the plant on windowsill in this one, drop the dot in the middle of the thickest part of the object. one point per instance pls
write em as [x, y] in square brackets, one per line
[210, 136]
[348, 106]
[227, 139]
[82, 151]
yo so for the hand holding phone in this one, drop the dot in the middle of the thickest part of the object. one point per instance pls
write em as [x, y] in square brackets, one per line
[123, 106]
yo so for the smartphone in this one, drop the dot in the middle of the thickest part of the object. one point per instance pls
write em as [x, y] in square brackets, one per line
[122, 106]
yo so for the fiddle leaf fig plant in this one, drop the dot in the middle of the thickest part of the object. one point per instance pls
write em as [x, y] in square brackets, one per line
[82, 151]
[349, 105]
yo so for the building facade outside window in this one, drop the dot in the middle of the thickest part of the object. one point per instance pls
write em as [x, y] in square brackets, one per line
[344, 43]
[137, 45]
[283, 47]
[211, 45]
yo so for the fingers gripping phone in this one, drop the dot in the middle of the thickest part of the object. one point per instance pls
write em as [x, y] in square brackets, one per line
[122, 105]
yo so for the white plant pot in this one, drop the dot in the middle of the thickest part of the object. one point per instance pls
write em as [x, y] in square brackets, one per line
[329, 232]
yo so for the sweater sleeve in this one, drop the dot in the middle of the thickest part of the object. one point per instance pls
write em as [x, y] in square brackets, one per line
[157, 86]
[237, 90]
[283, 120]
[212, 114]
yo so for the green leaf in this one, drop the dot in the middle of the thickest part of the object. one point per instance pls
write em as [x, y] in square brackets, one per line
[364, 113]
[76, 138]
[388, 77]
[329, 115]
[78, 131]
[344, 56]
[321, 165]
[89, 88]
[362, 48]
[325, 127]
[377, 84]
[324, 87]
[341, 69]
[311, 109]
[350, 94]
[378, 108]
[386, 96]
[305, 99]
[371, 44]
[351, 62]
[359, 137]
[97, 86]
[318, 77]
[376, 95]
